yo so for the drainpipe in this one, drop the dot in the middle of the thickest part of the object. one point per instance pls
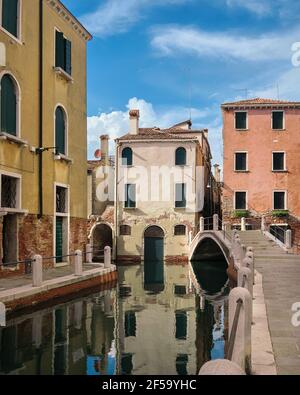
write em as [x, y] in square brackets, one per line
[116, 199]
[40, 155]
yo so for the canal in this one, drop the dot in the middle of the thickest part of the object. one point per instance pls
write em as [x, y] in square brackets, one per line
[141, 327]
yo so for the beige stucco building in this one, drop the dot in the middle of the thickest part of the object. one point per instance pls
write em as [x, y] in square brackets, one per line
[163, 185]
[43, 137]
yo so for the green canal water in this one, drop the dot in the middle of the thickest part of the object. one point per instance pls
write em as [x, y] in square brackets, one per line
[163, 326]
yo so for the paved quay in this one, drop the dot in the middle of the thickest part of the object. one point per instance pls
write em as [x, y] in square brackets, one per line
[281, 287]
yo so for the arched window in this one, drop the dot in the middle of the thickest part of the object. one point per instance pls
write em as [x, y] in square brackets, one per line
[10, 16]
[180, 230]
[180, 156]
[127, 157]
[8, 105]
[60, 130]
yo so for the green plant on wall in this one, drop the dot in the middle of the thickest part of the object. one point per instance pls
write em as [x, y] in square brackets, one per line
[240, 213]
[280, 213]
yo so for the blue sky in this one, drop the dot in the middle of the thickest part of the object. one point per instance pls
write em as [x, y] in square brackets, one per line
[167, 56]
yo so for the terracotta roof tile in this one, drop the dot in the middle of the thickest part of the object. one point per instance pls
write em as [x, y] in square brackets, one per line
[161, 134]
[260, 101]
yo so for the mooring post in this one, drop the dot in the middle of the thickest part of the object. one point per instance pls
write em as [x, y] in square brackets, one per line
[88, 253]
[107, 257]
[78, 263]
[241, 353]
[37, 271]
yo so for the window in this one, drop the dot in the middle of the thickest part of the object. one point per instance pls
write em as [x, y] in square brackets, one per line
[180, 230]
[279, 200]
[278, 120]
[127, 157]
[8, 105]
[60, 130]
[125, 230]
[130, 196]
[10, 9]
[130, 324]
[241, 120]
[180, 325]
[63, 53]
[180, 290]
[61, 200]
[180, 157]
[241, 161]
[9, 191]
[180, 195]
[240, 200]
[181, 364]
[278, 161]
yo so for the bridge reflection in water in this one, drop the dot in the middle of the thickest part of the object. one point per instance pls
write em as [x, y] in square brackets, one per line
[171, 329]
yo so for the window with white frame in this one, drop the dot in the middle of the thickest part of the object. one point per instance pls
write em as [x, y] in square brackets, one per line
[241, 161]
[61, 200]
[241, 120]
[10, 191]
[279, 200]
[278, 161]
[240, 200]
[10, 16]
[278, 120]
[63, 52]
[10, 99]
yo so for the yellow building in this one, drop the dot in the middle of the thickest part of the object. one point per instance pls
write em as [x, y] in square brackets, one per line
[43, 135]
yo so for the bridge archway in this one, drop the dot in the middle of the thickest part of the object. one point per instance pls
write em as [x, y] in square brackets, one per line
[209, 245]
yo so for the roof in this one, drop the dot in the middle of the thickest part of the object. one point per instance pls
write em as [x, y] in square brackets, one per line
[172, 133]
[260, 102]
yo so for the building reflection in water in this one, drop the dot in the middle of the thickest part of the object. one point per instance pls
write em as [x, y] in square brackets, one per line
[168, 328]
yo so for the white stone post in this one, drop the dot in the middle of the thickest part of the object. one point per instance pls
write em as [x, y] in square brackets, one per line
[242, 345]
[243, 224]
[215, 222]
[37, 271]
[78, 313]
[221, 367]
[288, 239]
[234, 233]
[263, 223]
[37, 330]
[245, 275]
[202, 224]
[249, 249]
[78, 263]
[89, 253]
[107, 257]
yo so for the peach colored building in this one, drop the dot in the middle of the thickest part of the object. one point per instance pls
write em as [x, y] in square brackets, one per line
[262, 162]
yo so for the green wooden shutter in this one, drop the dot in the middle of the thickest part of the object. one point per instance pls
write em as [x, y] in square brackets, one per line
[59, 239]
[68, 56]
[60, 130]
[60, 50]
[10, 16]
[8, 106]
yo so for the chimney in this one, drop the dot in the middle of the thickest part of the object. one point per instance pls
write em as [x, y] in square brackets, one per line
[205, 131]
[134, 116]
[104, 148]
[217, 172]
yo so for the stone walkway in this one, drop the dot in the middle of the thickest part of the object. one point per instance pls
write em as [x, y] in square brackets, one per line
[49, 274]
[281, 285]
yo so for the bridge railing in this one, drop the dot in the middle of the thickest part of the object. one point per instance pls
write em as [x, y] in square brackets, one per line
[238, 352]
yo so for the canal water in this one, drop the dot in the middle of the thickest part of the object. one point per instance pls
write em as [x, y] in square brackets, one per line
[141, 327]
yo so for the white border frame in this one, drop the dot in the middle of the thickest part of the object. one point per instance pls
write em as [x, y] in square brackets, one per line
[66, 128]
[247, 120]
[234, 200]
[66, 226]
[284, 161]
[234, 160]
[18, 99]
[186, 156]
[285, 199]
[56, 29]
[283, 123]
[18, 39]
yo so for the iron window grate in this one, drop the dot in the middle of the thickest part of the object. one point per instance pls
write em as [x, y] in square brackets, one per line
[8, 192]
[61, 194]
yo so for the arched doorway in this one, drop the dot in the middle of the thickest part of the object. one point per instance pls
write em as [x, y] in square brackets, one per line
[102, 237]
[154, 259]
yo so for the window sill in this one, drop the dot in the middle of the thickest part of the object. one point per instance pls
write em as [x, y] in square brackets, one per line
[180, 208]
[62, 157]
[129, 208]
[11, 36]
[279, 171]
[241, 130]
[241, 171]
[13, 139]
[278, 130]
[62, 73]
[8, 210]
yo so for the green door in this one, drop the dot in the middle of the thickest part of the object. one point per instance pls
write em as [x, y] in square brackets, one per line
[59, 239]
[153, 257]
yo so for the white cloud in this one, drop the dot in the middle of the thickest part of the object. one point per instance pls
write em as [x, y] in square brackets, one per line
[259, 7]
[116, 123]
[171, 40]
[118, 16]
